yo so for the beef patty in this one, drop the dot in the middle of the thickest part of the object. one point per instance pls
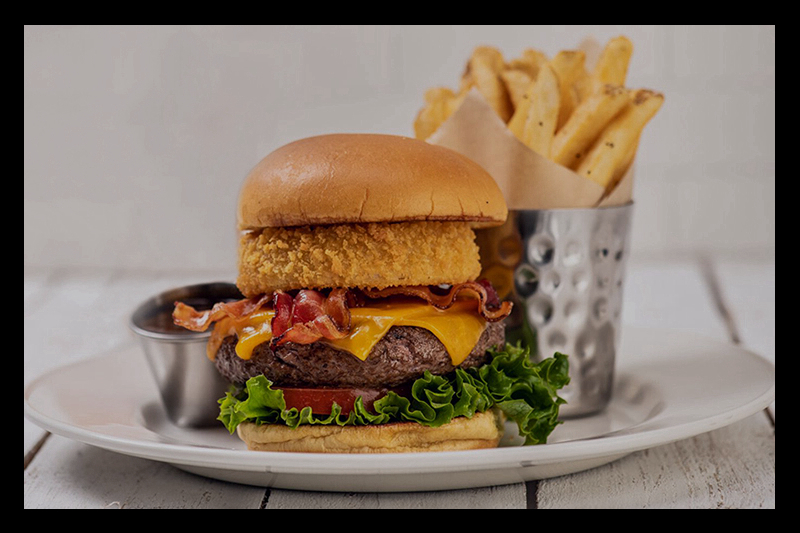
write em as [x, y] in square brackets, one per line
[402, 355]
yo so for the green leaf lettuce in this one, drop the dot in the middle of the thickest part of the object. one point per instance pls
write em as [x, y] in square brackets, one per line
[524, 391]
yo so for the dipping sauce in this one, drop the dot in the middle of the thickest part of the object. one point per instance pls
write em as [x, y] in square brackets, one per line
[160, 319]
[153, 318]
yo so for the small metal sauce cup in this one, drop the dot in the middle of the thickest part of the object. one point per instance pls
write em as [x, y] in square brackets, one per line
[564, 269]
[187, 380]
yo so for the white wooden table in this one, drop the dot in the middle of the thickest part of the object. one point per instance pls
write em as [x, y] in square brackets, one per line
[74, 314]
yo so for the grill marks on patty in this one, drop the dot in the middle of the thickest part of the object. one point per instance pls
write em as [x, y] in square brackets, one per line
[402, 355]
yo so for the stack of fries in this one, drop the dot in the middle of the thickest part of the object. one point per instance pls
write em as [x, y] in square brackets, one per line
[586, 121]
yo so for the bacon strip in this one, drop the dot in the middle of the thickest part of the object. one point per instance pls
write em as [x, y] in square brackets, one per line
[305, 318]
[311, 317]
[191, 319]
[283, 305]
[489, 307]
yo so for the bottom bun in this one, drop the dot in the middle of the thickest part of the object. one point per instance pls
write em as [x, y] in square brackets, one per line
[483, 430]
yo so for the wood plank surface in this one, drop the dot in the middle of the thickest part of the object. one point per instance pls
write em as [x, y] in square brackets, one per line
[71, 475]
[74, 314]
[732, 467]
[749, 289]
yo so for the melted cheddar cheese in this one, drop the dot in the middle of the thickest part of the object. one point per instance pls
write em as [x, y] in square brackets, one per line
[458, 328]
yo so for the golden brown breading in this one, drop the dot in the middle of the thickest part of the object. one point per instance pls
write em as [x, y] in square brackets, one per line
[357, 255]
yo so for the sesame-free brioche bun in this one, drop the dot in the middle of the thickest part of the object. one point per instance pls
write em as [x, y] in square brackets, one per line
[362, 178]
[483, 430]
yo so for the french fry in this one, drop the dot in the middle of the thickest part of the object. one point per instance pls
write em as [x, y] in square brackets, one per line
[439, 106]
[568, 66]
[573, 108]
[623, 167]
[530, 62]
[585, 124]
[612, 66]
[517, 82]
[520, 72]
[583, 84]
[483, 71]
[616, 144]
[517, 122]
[534, 122]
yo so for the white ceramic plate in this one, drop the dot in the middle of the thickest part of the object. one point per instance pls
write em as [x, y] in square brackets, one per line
[670, 385]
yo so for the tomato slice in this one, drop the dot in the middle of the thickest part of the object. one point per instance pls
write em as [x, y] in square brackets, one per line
[321, 399]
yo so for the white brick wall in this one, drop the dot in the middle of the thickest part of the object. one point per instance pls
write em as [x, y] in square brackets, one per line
[136, 139]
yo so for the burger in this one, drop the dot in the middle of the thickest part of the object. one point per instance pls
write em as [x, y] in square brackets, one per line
[364, 325]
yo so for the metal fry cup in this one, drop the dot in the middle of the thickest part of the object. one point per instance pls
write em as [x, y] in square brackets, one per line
[564, 269]
[188, 382]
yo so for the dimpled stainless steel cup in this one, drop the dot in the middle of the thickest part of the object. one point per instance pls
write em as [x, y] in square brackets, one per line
[564, 269]
[188, 382]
